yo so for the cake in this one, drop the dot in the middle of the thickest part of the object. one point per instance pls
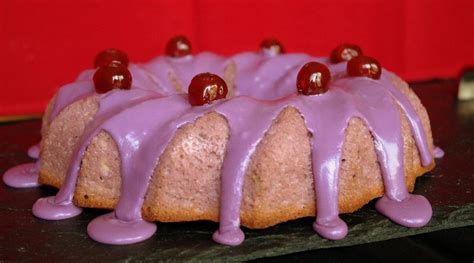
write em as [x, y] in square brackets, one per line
[254, 139]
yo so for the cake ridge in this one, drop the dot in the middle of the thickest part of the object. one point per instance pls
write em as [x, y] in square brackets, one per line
[106, 111]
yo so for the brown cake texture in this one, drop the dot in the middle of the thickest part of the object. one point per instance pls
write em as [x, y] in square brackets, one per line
[185, 186]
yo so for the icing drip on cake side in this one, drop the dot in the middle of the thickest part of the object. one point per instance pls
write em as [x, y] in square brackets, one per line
[326, 116]
[26, 175]
[139, 150]
[113, 104]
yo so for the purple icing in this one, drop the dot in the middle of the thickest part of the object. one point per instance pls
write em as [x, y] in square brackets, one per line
[50, 209]
[160, 68]
[264, 83]
[22, 176]
[34, 151]
[253, 78]
[438, 152]
[70, 93]
[413, 118]
[414, 211]
[108, 229]
[184, 69]
[84, 87]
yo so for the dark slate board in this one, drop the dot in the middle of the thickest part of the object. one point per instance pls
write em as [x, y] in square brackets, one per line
[449, 188]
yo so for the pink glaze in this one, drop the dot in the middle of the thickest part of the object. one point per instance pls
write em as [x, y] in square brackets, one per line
[265, 84]
[415, 121]
[84, 87]
[34, 151]
[108, 229]
[50, 209]
[184, 69]
[414, 211]
[22, 176]
[438, 152]
[70, 93]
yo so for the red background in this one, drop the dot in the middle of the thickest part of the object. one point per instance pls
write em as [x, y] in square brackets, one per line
[45, 43]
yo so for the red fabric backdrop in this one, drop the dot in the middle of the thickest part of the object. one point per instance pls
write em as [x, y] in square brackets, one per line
[46, 43]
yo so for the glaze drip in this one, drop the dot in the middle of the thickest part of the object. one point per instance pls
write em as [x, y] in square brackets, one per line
[438, 152]
[111, 104]
[34, 151]
[22, 176]
[264, 84]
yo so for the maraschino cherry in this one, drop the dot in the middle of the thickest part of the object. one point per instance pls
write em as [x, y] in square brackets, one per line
[272, 45]
[313, 79]
[345, 52]
[112, 76]
[364, 66]
[178, 46]
[206, 88]
[109, 56]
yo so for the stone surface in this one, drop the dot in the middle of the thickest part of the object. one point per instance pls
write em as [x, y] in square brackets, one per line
[449, 188]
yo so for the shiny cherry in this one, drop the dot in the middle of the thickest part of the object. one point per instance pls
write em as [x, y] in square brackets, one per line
[109, 56]
[313, 79]
[272, 45]
[178, 46]
[206, 88]
[345, 52]
[112, 76]
[364, 66]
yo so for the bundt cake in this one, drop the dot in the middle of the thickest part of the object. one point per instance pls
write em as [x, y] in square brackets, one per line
[280, 136]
